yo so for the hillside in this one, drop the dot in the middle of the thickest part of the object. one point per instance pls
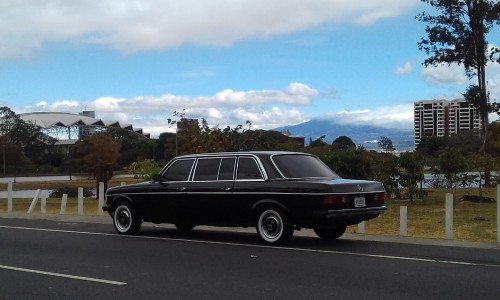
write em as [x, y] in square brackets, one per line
[366, 136]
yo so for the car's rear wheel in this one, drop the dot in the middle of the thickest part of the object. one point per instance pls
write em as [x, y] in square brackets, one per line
[126, 219]
[274, 226]
[184, 227]
[331, 233]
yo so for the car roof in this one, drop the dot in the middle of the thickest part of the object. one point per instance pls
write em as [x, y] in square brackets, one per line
[256, 153]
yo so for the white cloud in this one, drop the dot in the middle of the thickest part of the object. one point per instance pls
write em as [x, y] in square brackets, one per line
[444, 75]
[41, 104]
[406, 68]
[266, 109]
[454, 75]
[493, 81]
[132, 26]
[64, 105]
[398, 116]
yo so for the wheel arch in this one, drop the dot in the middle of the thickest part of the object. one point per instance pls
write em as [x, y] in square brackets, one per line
[121, 198]
[260, 205]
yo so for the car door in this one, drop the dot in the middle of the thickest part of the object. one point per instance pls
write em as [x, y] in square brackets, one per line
[210, 192]
[169, 203]
[248, 186]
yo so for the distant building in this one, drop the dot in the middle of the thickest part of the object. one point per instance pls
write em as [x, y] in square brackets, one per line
[67, 128]
[186, 123]
[443, 118]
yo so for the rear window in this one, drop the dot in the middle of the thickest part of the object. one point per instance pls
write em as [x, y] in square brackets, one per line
[248, 169]
[302, 166]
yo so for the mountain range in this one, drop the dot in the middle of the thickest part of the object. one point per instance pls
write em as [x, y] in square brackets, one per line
[362, 135]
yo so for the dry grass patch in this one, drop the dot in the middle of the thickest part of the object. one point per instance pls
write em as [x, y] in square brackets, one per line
[426, 218]
[53, 206]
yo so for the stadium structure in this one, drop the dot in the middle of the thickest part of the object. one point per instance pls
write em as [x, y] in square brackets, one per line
[67, 128]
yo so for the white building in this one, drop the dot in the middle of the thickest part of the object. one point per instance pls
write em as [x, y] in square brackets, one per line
[67, 128]
[444, 118]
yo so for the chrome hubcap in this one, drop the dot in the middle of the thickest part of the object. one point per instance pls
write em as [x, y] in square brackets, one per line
[122, 218]
[271, 225]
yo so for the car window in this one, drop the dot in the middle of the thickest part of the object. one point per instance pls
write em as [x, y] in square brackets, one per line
[302, 166]
[207, 169]
[226, 171]
[248, 169]
[179, 170]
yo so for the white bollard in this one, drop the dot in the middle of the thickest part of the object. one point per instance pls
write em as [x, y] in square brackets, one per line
[43, 206]
[64, 202]
[361, 227]
[34, 201]
[403, 221]
[449, 216]
[101, 198]
[9, 196]
[80, 201]
[498, 213]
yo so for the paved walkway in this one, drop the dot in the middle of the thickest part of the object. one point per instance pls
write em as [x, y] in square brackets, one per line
[105, 219]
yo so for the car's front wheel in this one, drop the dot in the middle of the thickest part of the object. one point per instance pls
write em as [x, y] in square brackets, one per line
[331, 233]
[125, 219]
[274, 226]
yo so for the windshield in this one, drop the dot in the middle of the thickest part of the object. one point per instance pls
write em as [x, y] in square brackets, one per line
[302, 166]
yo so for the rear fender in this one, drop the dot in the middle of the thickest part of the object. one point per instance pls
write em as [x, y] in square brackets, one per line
[257, 207]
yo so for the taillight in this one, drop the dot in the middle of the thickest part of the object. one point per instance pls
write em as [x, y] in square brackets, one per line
[379, 197]
[336, 200]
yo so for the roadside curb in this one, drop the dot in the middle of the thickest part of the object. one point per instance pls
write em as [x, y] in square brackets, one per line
[105, 219]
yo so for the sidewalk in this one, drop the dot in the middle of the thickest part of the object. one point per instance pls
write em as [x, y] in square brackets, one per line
[105, 219]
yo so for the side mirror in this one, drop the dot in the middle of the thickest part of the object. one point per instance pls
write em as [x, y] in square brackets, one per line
[157, 178]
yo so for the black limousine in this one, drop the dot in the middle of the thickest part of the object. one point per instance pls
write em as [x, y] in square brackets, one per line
[276, 192]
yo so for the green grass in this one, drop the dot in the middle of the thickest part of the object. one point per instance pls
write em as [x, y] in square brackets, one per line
[426, 217]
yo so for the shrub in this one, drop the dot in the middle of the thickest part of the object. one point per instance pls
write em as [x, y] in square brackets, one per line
[72, 192]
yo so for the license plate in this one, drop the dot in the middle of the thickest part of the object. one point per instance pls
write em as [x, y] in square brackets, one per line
[359, 202]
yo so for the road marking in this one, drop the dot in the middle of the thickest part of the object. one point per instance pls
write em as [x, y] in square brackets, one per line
[62, 275]
[429, 260]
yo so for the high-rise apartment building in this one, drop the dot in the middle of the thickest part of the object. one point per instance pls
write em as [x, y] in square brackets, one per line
[444, 118]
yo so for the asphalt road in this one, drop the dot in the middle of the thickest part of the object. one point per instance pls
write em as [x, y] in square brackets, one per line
[42, 259]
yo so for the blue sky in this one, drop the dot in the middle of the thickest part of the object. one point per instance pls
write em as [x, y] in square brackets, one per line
[274, 63]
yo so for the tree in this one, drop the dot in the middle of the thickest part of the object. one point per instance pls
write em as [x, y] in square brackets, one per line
[465, 142]
[134, 146]
[411, 172]
[13, 156]
[145, 169]
[386, 144]
[385, 168]
[99, 154]
[451, 163]
[343, 143]
[352, 163]
[165, 146]
[480, 164]
[28, 137]
[458, 35]
[319, 142]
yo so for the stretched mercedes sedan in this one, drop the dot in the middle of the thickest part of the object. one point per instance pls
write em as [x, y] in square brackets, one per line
[276, 192]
